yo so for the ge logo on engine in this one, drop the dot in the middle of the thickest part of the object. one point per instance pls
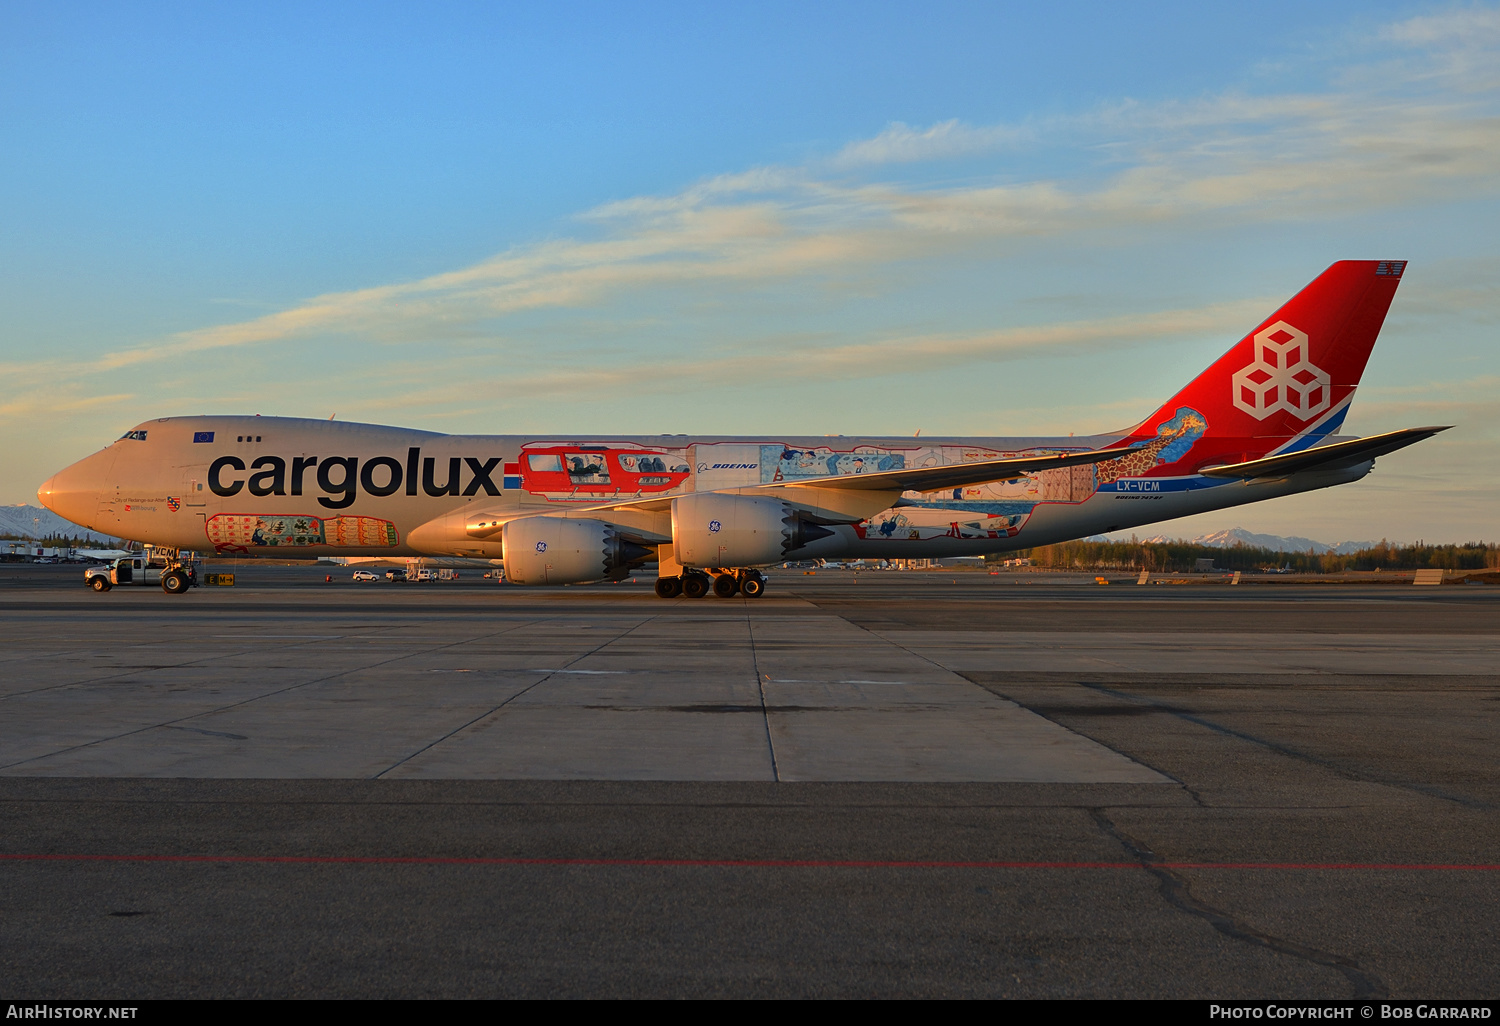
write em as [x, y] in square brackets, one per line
[1282, 377]
[541, 546]
[714, 525]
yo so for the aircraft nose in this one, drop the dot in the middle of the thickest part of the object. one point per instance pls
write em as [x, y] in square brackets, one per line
[46, 491]
[73, 492]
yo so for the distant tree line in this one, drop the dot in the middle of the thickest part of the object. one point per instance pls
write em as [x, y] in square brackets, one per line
[57, 541]
[1165, 557]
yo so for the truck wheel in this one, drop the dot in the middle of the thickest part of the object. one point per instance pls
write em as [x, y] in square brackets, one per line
[174, 583]
[725, 586]
[668, 587]
[98, 584]
[753, 586]
[695, 585]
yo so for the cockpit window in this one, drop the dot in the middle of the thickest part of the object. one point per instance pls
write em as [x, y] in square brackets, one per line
[139, 436]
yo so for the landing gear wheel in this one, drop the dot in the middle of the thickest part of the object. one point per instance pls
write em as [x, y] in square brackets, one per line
[695, 585]
[99, 584]
[174, 584]
[753, 586]
[668, 587]
[725, 586]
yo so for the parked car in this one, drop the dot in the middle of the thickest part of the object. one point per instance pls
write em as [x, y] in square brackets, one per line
[395, 575]
[365, 575]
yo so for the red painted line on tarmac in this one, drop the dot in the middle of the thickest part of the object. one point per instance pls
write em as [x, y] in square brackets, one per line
[1414, 866]
[747, 863]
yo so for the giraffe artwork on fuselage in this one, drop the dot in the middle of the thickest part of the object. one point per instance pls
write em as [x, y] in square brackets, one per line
[1173, 440]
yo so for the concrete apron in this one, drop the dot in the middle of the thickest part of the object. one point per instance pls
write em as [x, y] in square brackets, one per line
[787, 692]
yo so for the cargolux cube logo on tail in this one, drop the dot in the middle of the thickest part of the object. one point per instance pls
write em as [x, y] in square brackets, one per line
[1282, 377]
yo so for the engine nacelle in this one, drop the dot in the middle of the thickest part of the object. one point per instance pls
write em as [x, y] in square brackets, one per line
[552, 550]
[727, 530]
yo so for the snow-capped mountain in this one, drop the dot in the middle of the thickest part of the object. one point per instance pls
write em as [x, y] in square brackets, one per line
[35, 522]
[1275, 542]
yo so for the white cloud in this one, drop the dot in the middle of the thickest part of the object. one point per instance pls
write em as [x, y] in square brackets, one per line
[901, 143]
[1466, 26]
[1235, 158]
[776, 361]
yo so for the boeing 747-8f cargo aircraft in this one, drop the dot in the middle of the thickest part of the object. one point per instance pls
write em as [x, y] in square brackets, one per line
[1260, 423]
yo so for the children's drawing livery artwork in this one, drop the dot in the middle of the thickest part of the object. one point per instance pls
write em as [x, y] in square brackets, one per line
[230, 532]
[787, 463]
[1173, 440]
[916, 523]
[598, 472]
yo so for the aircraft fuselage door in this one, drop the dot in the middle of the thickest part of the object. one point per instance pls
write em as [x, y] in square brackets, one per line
[193, 494]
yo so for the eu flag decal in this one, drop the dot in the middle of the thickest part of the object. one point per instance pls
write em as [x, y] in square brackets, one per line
[203, 436]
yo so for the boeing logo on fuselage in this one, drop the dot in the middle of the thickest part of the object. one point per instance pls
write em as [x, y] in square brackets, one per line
[734, 466]
[342, 477]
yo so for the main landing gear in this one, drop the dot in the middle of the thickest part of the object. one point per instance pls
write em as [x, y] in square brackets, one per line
[723, 583]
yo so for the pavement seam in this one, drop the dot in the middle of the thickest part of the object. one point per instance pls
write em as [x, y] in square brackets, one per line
[1188, 789]
[760, 689]
[535, 684]
[893, 643]
[988, 691]
[165, 666]
[255, 698]
[1178, 893]
[1427, 790]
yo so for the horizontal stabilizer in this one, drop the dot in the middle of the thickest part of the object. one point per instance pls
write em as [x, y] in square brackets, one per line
[955, 475]
[1325, 457]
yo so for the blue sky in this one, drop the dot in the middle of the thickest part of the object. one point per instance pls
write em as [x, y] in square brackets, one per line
[976, 219]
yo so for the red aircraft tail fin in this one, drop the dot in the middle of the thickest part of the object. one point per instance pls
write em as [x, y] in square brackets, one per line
[1289, 382]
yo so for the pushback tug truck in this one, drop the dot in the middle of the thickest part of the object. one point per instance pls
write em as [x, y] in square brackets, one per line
[174, 573]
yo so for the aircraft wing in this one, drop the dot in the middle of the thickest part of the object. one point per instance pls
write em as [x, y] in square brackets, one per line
[1339, 454]
[953, 475]
[921, 479]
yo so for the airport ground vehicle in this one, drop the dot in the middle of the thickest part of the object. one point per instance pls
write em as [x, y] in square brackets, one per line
[365, 575]
[175, 576]
[1260, 422]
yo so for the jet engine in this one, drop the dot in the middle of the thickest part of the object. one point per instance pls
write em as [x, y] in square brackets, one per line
[552, 550]
[727, 530]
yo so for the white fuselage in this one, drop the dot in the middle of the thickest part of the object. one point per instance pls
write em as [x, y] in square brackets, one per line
[271, 486]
